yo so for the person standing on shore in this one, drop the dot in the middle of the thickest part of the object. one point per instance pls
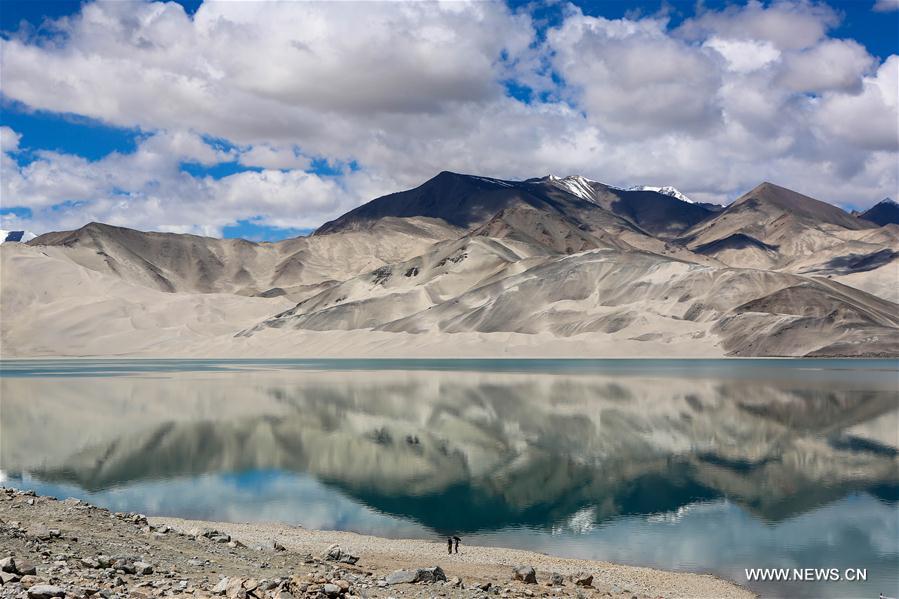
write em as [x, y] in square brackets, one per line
[456, 541]
[449, 545]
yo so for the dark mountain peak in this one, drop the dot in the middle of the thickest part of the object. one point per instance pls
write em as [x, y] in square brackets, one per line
[458, 199]
[768, 197]
[885, 212]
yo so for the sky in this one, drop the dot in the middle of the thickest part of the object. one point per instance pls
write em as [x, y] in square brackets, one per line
[264, 119]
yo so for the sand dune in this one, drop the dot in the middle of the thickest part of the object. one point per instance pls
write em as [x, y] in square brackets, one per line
[466, 265]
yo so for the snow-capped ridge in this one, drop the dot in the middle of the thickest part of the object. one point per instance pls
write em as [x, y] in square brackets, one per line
[577, 185]
[667, 190]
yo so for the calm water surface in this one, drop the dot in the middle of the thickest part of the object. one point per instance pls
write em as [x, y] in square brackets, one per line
[703, 465]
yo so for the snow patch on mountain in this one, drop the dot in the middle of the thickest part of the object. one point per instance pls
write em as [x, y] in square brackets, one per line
[577, 185]
[494, 181]
[665, 190]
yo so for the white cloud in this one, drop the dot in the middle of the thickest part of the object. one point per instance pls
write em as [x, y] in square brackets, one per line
[727, 99]
[632, 77]
[9, 139]
[744, 56]
[267, 156]
[831, 65]
[147, 189]
[886, 5]
[788, 24]
[869, 119]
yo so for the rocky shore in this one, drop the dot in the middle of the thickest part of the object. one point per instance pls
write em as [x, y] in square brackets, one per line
[51, 548]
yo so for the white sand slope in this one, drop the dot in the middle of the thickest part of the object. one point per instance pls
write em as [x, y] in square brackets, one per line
[471, 266]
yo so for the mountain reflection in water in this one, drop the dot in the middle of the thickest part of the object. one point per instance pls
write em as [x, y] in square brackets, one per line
[734, 465]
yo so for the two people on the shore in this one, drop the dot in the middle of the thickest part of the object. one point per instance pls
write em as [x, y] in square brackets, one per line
[452, 542]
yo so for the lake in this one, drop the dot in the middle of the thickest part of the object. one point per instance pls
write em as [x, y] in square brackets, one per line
[701, 465]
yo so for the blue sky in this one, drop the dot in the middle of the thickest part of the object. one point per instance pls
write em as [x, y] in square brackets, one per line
[232, 146]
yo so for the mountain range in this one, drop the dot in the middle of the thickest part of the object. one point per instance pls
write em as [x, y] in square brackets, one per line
[478, 266]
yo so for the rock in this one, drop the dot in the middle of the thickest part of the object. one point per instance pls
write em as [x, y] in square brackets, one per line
[454, 582]
[278, 546]
[8, 577]
[221, 587]
[334, 553]
[402, 577]
[29, 580]
[557, 579]
[485, 586]
[125, 566]
[25, 568]
[39, 531]
[90, 562]
[429, 575]
[583, 579]
[235, 588]
[143, 568]
[343, 584]
[8, 564]
[426, 575]
[45, 591]
[332, 590]
[525, 574]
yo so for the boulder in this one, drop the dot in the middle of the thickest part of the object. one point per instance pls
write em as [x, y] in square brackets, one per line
[26, 568]
[335, 553]
[8, 564]
[402, 577]
[557, 579]
[143, 568]
[45, 591]
[126, 566]
[8, 577]
[39, 531]
[426, 575]
[221, 587]
[429, 575]
[583, 579]
[525, 574]
[331, 590]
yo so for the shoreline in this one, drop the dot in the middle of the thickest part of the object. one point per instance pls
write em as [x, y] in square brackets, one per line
[63, 539]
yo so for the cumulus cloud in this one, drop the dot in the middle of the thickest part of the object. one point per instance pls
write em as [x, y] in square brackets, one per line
[274, 157]
[886, 5]
[632, 77]
[9, 139]
[148, 189]
[402, 91]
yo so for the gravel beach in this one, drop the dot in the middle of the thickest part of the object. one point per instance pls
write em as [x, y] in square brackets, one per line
[51, 548]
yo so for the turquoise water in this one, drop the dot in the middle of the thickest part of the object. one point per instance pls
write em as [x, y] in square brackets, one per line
[700, 465]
